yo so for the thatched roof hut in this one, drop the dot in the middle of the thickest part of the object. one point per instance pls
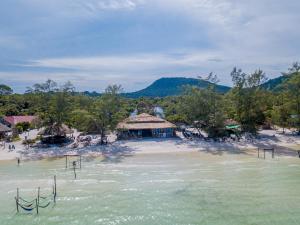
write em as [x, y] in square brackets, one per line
[4, 129]
[145, 125]
[56, 130]
[144, 121]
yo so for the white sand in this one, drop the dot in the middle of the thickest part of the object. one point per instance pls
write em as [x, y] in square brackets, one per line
[284, 144]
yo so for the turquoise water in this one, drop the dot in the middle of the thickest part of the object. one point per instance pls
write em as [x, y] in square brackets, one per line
[189, 188]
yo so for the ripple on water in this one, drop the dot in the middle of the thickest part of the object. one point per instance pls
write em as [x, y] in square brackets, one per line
[166, 189]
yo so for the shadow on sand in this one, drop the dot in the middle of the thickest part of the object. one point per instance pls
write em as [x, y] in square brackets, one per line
[117, 151]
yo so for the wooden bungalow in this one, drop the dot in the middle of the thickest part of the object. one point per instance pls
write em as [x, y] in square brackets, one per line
[145, 125]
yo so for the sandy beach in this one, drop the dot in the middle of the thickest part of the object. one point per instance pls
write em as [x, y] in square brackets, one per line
[284, 145]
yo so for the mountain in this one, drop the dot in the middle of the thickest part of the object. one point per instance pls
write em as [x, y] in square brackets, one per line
[172, 86]
[275, 84]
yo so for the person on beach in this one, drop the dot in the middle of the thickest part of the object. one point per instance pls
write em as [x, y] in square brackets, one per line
[18, 161]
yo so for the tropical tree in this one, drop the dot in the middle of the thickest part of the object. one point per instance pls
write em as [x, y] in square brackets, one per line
[5, 90]
[204, 109]
[56, 111]
[248, 99]
[292, 90]
[106, 111]
[102, 116]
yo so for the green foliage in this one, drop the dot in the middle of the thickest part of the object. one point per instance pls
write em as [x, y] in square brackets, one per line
[292, 90]
[204, 109]
[15, 138]
[203, 104]
[248, 99]
[102, 115]
[21, 127]
[5, 90]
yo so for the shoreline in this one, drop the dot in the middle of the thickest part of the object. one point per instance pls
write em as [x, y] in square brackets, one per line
[152, 146]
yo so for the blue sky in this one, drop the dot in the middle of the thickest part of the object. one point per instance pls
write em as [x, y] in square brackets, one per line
[94, 43]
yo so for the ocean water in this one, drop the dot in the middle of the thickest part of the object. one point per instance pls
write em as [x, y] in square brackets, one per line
[167, 189]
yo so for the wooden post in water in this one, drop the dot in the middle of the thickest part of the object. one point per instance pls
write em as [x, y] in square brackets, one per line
[80, 161]
[264, 153]
[54, 188]
[17, 200]
[38, 197]
[17, 205]
[37, 206]
[66, 161]
[55, 184]
[74, 167]
[273, 151]
[257, 152]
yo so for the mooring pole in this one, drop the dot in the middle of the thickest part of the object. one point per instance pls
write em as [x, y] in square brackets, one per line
[66, 161]
[17, 205]
[80, 161]
[54, 188]
[55, 184]
[37, 206]
[264, 153]
[38, 197]
[17, 200]
[273, 153]
[257, 152]
[74, 171]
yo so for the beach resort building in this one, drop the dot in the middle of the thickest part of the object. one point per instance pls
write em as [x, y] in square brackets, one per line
[12, 121]
[145, 125]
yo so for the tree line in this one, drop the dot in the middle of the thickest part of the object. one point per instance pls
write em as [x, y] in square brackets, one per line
[248, 103]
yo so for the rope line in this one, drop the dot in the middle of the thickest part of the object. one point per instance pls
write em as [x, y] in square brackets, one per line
[45, 206]
[38, 202]
[22, 199]
[27, 209]
[44, 202]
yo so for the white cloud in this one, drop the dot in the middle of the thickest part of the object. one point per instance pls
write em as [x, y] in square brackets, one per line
[249, 34]
[131, 70]
[79, 8]
[133, 62]
[96, 5]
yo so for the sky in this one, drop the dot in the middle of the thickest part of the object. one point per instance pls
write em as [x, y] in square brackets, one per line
[95, 43]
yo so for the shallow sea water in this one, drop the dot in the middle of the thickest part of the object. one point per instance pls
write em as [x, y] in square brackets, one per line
[167, 189]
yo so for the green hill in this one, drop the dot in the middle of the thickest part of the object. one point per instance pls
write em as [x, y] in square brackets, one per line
[175, 86]
[172, 86]
[275, 84]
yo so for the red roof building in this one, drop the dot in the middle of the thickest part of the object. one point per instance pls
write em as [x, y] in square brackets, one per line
[14, 120]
